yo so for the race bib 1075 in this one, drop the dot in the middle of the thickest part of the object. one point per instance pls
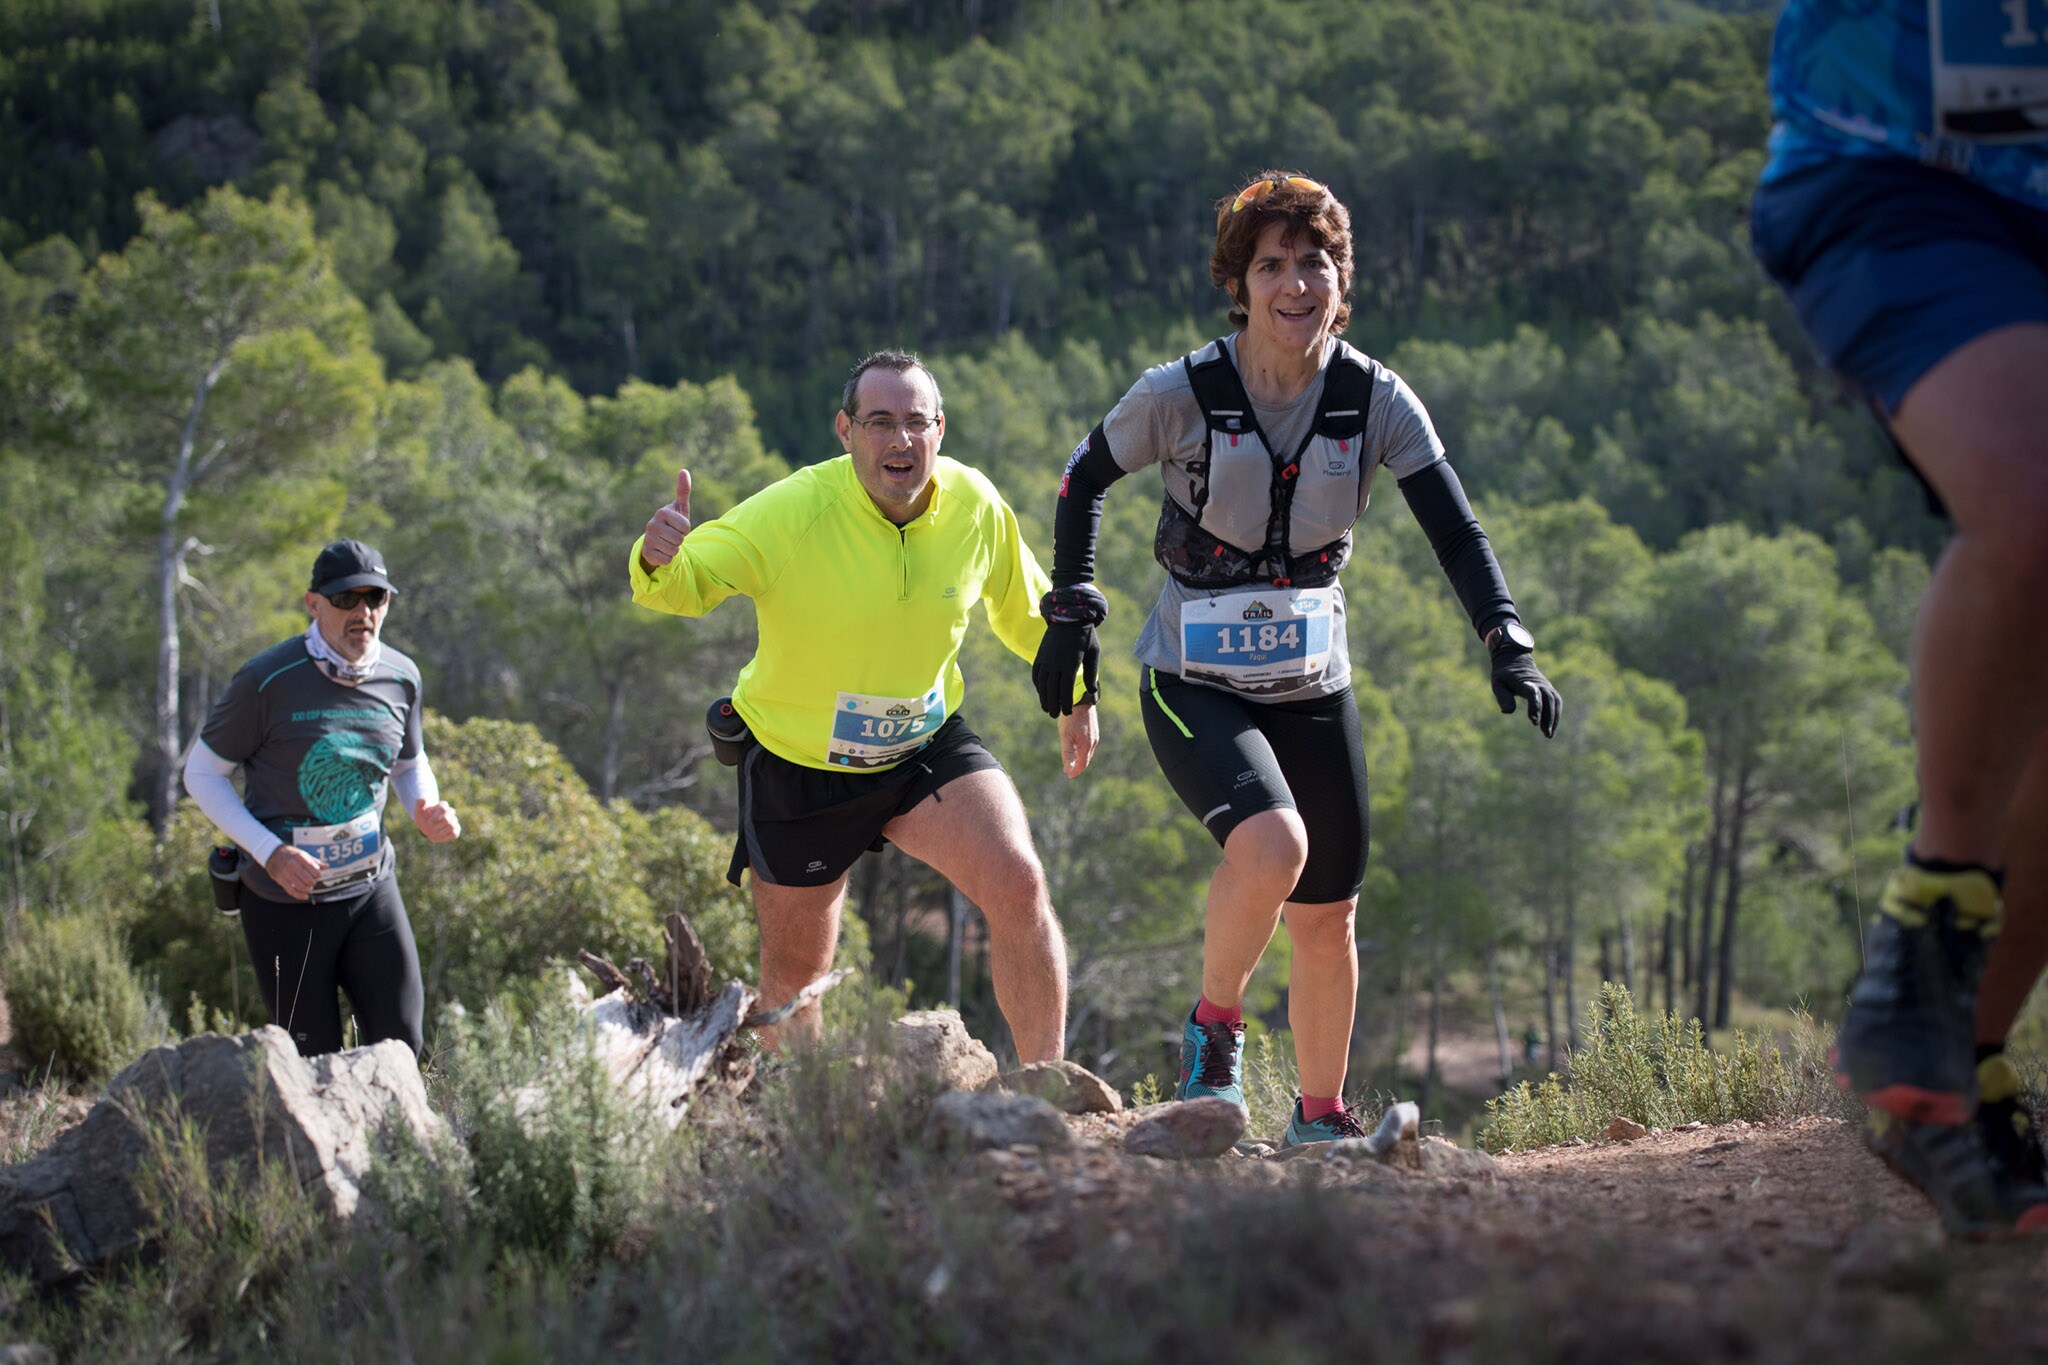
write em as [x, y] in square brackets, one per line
[878, 732]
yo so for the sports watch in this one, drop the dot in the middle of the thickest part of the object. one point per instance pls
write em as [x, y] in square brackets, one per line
[1509, 634]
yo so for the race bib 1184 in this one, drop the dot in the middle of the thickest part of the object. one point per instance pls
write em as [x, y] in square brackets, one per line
[1256, 639]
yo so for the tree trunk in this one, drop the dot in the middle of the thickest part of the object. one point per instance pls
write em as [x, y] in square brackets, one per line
[1567, 966]
[1550, 1002]
[956, 931]
[889, 269]
[900, 904]
[1666, 952]
[1436, 981]
[1725, 986]
[1628, 956]
[614, 738]
[170, 565]
[1500, 1014]
[1703, 959]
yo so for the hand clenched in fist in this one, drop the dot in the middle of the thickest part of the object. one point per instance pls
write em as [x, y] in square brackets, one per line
[667, 527]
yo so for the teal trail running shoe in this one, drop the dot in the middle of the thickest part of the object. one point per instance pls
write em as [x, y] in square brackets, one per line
[1211, 1062]
[1331, 1127]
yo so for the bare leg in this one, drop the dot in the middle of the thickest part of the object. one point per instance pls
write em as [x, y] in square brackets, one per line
[1322, 994]
[1262, 860]
[2020, 951]
[1977, 426]
[799, 931]
[973, 832]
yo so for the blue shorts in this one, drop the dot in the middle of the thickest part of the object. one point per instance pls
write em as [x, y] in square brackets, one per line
[1893, 265]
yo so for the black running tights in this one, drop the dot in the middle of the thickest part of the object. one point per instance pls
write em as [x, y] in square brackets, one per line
[305, 951]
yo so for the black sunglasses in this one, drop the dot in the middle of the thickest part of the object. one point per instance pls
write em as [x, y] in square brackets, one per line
[355, 597]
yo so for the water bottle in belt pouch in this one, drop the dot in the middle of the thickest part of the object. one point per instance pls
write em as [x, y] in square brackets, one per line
[224, 870]
[730, 737]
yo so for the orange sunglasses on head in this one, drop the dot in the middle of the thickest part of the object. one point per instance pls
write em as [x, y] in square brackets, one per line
[1259, 189]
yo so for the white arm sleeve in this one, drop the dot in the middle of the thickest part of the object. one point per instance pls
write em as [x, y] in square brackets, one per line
[208, 778]
[413, 780]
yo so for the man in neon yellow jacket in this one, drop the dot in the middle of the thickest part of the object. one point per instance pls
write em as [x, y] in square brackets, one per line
[863, 571]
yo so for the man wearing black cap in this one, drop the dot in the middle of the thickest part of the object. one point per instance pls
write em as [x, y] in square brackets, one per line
[321, 725]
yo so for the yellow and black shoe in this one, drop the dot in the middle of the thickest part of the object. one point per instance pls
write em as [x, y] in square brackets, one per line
[2005, 1120]
[1947, 1162]
[1907, 1045]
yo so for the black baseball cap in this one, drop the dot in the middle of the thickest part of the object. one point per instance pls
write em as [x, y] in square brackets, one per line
[349, 564]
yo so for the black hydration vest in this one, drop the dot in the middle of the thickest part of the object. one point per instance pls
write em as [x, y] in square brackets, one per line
[1212, 547]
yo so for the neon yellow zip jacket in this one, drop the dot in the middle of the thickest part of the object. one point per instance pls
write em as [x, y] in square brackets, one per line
[860, 619]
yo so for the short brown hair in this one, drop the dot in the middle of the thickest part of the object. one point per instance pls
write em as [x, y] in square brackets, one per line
[901, 362]
[1292, 201]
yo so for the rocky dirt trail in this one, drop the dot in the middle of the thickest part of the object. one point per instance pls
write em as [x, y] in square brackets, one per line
[1743, 1242]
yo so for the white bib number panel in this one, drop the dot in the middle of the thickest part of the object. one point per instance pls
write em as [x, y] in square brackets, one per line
[1258, 638]
[877, 732]
[1990, 69]
[350, 849]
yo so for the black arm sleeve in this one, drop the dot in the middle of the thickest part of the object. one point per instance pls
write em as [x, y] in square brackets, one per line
[1090, 471]
[1438, 501]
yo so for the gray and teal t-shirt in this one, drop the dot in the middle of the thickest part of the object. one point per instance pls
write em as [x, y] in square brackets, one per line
[316, 754]
[1159, 422]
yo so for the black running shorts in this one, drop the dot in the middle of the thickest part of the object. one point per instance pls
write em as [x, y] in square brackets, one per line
[803, 826]
[1229, 758]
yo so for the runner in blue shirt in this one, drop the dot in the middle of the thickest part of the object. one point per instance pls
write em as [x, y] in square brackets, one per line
[1904, 209]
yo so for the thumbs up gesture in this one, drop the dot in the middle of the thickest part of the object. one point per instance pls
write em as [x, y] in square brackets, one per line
[667, 527]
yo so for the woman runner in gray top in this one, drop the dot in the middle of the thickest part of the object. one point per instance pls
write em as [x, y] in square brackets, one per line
[1267, 441]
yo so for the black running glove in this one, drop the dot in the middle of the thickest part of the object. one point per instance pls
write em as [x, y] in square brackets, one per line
[1515, 675]
[1071, 615]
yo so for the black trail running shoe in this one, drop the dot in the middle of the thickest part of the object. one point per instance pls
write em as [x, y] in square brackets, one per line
[2006, 1122]
[1908, 1044]
[1947, 1162]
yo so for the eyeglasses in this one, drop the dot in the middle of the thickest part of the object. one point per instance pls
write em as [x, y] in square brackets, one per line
[355, 597]
[913, 426]
[1259, 189]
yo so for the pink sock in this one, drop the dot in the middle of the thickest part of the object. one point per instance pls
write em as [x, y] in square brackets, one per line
[1314, 1107]
[1206, 1013]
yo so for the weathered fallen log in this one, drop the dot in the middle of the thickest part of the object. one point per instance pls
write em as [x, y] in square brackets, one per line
[664, 1055]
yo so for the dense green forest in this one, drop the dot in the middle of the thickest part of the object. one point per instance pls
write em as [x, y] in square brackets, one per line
[471, 280]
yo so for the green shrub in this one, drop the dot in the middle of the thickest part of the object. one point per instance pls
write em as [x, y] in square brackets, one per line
[1660, 1073]
[542, 868]
[179, 940]
[78, 1008]
[679, 862]
[561, 1163]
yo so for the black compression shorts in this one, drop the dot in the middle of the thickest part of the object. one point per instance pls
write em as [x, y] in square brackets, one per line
[1229, 758]
[305, 951]
[803, 826]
